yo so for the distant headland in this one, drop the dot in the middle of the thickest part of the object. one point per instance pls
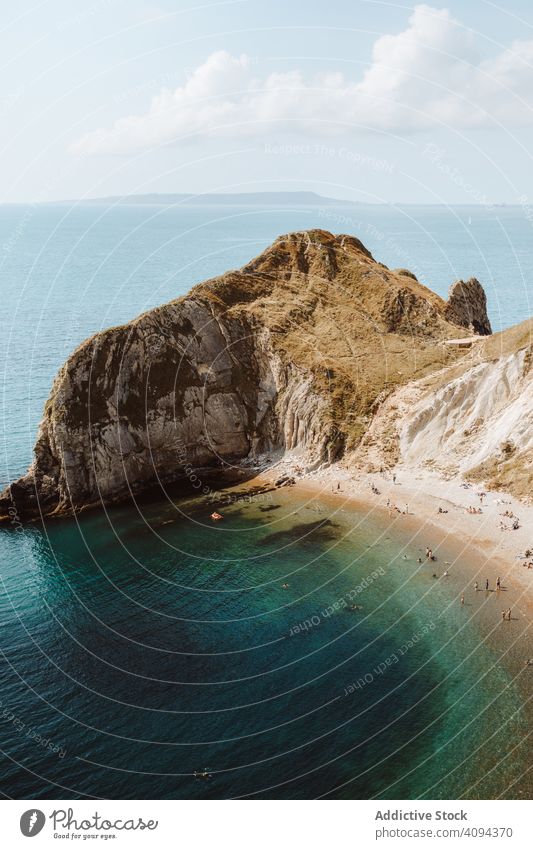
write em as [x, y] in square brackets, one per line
[218, 199]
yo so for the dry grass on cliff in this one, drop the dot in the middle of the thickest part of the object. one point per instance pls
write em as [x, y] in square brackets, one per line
[487, 349]
[514, 475]
[360, 329]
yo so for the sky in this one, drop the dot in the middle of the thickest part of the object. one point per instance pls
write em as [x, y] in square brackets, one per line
[356, 99]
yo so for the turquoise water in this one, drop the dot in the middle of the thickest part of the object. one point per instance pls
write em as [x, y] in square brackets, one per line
[147, 643]
[143, 643]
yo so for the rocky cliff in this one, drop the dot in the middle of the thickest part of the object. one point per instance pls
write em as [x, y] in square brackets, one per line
[473, 419]
[294, 352]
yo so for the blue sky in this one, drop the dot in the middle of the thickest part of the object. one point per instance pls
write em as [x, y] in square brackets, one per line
[370, 101]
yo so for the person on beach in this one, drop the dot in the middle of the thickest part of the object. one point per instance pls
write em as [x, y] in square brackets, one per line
[394, 478]
[476, 586]
[407, 508]
[509, 615]
[498, 584]
[487, 584]
[462, 601]
[427, 552]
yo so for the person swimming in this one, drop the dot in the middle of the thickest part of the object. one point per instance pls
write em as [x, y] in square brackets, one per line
[202, 773]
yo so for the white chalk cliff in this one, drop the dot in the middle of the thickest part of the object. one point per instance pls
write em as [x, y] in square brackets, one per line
[474, 420]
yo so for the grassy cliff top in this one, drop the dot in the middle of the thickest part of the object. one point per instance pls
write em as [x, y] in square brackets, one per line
[359, 327]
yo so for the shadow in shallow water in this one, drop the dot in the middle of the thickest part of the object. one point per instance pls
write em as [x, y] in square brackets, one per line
[312, 533]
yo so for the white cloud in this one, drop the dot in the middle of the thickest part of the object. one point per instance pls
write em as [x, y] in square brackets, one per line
[427, 74]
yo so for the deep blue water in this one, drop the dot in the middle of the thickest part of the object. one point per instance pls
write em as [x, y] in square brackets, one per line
[144, 643]
[148, 643]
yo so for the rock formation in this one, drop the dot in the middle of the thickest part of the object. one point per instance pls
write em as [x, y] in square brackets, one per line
[291, 353]
[467, 306]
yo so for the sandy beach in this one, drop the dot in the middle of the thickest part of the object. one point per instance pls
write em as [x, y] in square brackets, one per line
[412, 500]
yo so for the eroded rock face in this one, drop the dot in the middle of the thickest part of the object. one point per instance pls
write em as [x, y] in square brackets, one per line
[468, 420]
[467, 306]
[288, 354]
[185, 388]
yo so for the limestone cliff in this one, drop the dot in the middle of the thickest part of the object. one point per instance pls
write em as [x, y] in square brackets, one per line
[292, 352]
[473, 419]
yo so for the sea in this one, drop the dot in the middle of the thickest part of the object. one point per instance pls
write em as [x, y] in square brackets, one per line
[295, 650]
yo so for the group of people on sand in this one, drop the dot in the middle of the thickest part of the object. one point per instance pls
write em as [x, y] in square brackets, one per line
[509, 515]
[528, 564]
[506, 615]
[393, 508]
[514, 527]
